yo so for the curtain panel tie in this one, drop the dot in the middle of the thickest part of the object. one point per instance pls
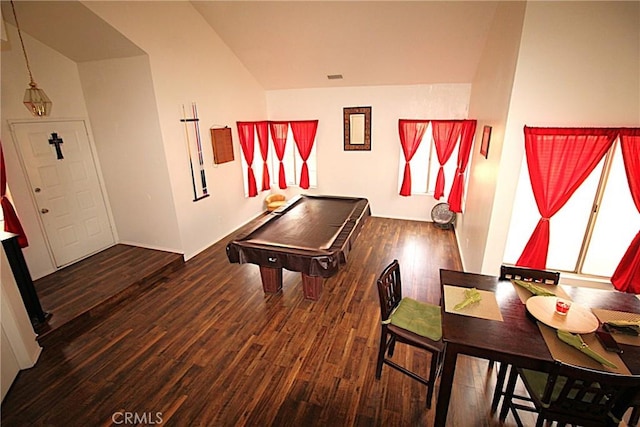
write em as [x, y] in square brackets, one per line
[558, 161]
[11, 221]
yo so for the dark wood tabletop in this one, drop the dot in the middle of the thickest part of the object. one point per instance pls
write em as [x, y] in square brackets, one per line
[517, 339]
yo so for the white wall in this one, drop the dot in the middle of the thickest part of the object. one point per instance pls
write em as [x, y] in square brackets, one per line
[130, 150]
[124, 119]
[59, 78]
[10, 366]
[19, 346]
[135, 107]
[578, 65]
[371, 174]
[152, 206]
[189, 63]
[489, 104]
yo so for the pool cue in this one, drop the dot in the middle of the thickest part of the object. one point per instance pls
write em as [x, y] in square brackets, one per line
[186, 129]
[203, 177]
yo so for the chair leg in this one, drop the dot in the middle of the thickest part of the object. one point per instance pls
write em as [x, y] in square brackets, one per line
[499, 391]
[381, 352]
[508, 394]
[440, 360]
[635, 414]
[433, 374]
[392, 345]
[386, 348]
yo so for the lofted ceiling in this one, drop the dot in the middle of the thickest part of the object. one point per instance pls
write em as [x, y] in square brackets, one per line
[69, 28]
[297, 44]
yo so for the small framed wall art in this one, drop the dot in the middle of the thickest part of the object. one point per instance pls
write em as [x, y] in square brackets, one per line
[486, 138]
[357, 128]
[222, 145]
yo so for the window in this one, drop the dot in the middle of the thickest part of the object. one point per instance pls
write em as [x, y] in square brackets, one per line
[425, 165]
[591, 233]
[292, 165]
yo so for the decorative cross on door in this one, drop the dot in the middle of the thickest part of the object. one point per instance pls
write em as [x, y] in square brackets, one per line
[55, 140]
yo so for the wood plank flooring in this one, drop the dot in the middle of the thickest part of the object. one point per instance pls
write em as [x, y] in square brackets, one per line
[206, 347]
[82, 294]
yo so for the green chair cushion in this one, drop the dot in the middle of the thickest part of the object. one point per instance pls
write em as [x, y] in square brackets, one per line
[418, 317]
[536, 383]
[538, 380]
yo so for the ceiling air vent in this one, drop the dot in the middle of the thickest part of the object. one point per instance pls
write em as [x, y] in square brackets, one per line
[334, 76]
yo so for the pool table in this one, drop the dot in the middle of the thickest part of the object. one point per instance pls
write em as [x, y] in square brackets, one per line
[310, 234]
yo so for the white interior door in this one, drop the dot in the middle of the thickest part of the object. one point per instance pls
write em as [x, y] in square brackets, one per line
[66, 190]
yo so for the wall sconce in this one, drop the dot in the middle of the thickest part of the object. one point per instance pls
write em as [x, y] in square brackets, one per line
[36, 101]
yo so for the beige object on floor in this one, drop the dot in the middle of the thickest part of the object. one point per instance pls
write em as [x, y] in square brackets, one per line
[274, 201]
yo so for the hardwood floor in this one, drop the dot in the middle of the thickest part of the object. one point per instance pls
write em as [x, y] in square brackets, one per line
[82, 294]
[205, 346]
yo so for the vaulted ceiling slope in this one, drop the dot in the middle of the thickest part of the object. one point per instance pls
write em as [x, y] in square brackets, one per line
[69, 28]
[296, 44]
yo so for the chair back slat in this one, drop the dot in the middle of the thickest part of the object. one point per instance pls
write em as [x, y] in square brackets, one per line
[389, 289]
[589, 396]
[529, 275]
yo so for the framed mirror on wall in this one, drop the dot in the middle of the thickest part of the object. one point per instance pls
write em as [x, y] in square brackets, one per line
[357, 128]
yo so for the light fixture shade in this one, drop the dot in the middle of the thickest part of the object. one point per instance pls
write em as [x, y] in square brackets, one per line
[37, 101]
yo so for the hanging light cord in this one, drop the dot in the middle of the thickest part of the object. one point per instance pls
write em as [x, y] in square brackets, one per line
[26, 59]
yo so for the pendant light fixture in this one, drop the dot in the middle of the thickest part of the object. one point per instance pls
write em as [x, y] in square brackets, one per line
[36, 101]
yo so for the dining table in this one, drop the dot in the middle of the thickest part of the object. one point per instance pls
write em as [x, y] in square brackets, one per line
[505, 331]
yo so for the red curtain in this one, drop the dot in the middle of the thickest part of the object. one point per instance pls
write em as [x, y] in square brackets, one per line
[11, 221]
[627, 275]
[559, 160]
[411, 132]
[279, 137]
[457, 188]
[445, 136]
[304, 134]
[246, 134]
[263, 140]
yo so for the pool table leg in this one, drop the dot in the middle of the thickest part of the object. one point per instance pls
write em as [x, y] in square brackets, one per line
[312, 286]
[271, 279]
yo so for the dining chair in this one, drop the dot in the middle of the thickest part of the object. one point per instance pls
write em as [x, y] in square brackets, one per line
[572, 395]
[508, 272]
[407, 321]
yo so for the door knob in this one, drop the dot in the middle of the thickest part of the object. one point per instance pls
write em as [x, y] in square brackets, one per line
[44, 210]
[37, 189]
